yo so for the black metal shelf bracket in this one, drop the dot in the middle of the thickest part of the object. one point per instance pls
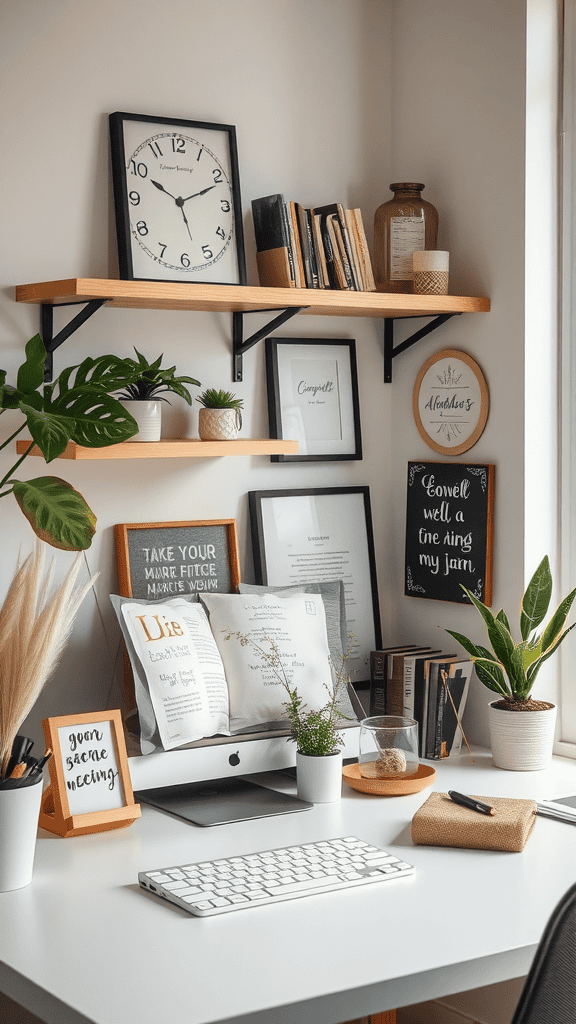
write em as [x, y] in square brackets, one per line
[52, 341]
[390, 352]
[241, 345]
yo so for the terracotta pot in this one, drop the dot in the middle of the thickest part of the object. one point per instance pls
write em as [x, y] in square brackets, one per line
[521, 741]
[219, 424]
[148, 416]
[319, 779]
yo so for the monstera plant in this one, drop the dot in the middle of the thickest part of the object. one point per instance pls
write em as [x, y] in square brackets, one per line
[77, 406]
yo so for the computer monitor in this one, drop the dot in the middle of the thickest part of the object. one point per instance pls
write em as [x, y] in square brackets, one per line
[219, 758]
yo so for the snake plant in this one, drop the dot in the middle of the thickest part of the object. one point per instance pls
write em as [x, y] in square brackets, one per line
[510, 668]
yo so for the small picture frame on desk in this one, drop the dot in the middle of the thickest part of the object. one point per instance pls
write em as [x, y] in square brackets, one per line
[90, 787]
[321, 534]
[312, 388]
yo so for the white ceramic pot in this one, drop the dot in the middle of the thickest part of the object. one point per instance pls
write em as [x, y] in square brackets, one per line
[521, 741]
[19, 811]
[319, 779]
[148, 416]
[219, 424]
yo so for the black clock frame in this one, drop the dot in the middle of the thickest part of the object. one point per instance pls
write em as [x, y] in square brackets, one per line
[120, 190]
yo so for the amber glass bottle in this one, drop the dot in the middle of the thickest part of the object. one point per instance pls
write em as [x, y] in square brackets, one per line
[405, 224]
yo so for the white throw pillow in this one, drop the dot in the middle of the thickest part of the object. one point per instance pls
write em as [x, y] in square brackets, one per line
[298, 625]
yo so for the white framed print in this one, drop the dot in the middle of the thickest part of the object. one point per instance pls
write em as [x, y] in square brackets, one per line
[321, 534]
[450, 402]
[312, 388]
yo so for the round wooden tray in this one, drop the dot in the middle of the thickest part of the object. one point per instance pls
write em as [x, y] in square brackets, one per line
[389, 787]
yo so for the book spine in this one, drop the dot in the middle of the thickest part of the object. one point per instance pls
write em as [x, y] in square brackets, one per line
[408, 707]
[395, 685]
[419, 688]
[431, 712]
[377, 683]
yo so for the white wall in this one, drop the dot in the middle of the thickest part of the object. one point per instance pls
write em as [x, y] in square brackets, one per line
[458, 105]
[308, 87]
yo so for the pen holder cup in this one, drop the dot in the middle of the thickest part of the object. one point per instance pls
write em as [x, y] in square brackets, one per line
[388, 747]
[19, 812]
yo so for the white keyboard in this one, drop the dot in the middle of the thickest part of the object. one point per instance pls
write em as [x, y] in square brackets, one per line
[233, 883]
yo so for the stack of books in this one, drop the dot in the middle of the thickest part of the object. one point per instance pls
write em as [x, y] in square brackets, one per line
[424, 684]
[310, 248]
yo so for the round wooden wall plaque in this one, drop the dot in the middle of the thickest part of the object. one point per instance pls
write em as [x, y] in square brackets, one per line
[450, 402]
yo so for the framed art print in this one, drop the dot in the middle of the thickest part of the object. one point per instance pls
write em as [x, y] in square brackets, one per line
[322, 534]
[313, 398]
[177, 200]
[450, 402]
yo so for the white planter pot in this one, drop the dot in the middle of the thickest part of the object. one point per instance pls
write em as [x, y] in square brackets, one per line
[319, 779]
[521, 741]
[19, 811]
[219, 424]
[148, 416]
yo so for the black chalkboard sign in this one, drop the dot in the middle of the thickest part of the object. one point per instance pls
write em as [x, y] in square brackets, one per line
[449, 517]
[163, 560]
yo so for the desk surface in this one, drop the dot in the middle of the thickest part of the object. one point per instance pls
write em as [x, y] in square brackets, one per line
[83, 942]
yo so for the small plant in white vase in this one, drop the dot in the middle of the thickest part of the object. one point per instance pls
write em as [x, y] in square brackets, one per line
[220, 418]
[143, 395]
[314, 730]
[521, 728]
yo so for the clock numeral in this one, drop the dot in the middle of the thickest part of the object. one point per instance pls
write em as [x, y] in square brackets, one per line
[208, 254]
[163, 247]
[200, 151]
[134, 198]
[139, 169]
[225, 206]
[178, 146]
[217, 173]
[155, 149]
[142, 227]
[185, 259]
[221, 233]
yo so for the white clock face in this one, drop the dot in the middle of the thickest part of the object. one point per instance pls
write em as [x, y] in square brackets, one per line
[180, 203]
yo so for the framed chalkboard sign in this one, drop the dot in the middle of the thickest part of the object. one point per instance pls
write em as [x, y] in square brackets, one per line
[449, 531]
[157, 560]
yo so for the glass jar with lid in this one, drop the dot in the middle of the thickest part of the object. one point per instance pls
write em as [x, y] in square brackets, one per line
[404, 225]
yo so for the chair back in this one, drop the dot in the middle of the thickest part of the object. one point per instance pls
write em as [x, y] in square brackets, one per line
[549, 993]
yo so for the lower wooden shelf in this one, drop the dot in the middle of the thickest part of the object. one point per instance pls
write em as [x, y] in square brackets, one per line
[172, 448]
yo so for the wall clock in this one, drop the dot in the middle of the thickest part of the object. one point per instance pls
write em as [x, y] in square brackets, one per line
[177, 200]
[450, 402]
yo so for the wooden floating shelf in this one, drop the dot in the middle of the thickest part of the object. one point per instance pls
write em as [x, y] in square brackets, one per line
[172, 448]
[245, 299]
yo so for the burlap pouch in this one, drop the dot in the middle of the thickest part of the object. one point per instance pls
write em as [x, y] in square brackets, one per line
[441, 822]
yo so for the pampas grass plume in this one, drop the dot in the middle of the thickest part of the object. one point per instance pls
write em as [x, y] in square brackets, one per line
[35, 624]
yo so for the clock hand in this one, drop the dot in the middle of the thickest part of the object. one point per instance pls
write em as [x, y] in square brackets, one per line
[162, 189]
[185, 220]
[193, 196]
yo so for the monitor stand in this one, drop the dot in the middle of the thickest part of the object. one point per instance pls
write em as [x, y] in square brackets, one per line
[221, 801]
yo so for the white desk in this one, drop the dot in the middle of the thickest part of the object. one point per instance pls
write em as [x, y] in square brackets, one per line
[83, 942]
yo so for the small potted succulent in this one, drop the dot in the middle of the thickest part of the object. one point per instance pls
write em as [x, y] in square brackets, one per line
[521, 728]
[143, 395]
[220, 418]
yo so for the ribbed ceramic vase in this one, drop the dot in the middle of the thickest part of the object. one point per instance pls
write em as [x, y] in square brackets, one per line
[319, 779]
[219, 424]
[521, 741]
[148, 416]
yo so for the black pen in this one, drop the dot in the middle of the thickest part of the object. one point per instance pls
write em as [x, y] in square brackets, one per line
[470, 802]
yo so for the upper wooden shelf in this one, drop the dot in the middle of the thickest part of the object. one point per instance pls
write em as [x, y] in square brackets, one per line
[172, 448]
[245, 299]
